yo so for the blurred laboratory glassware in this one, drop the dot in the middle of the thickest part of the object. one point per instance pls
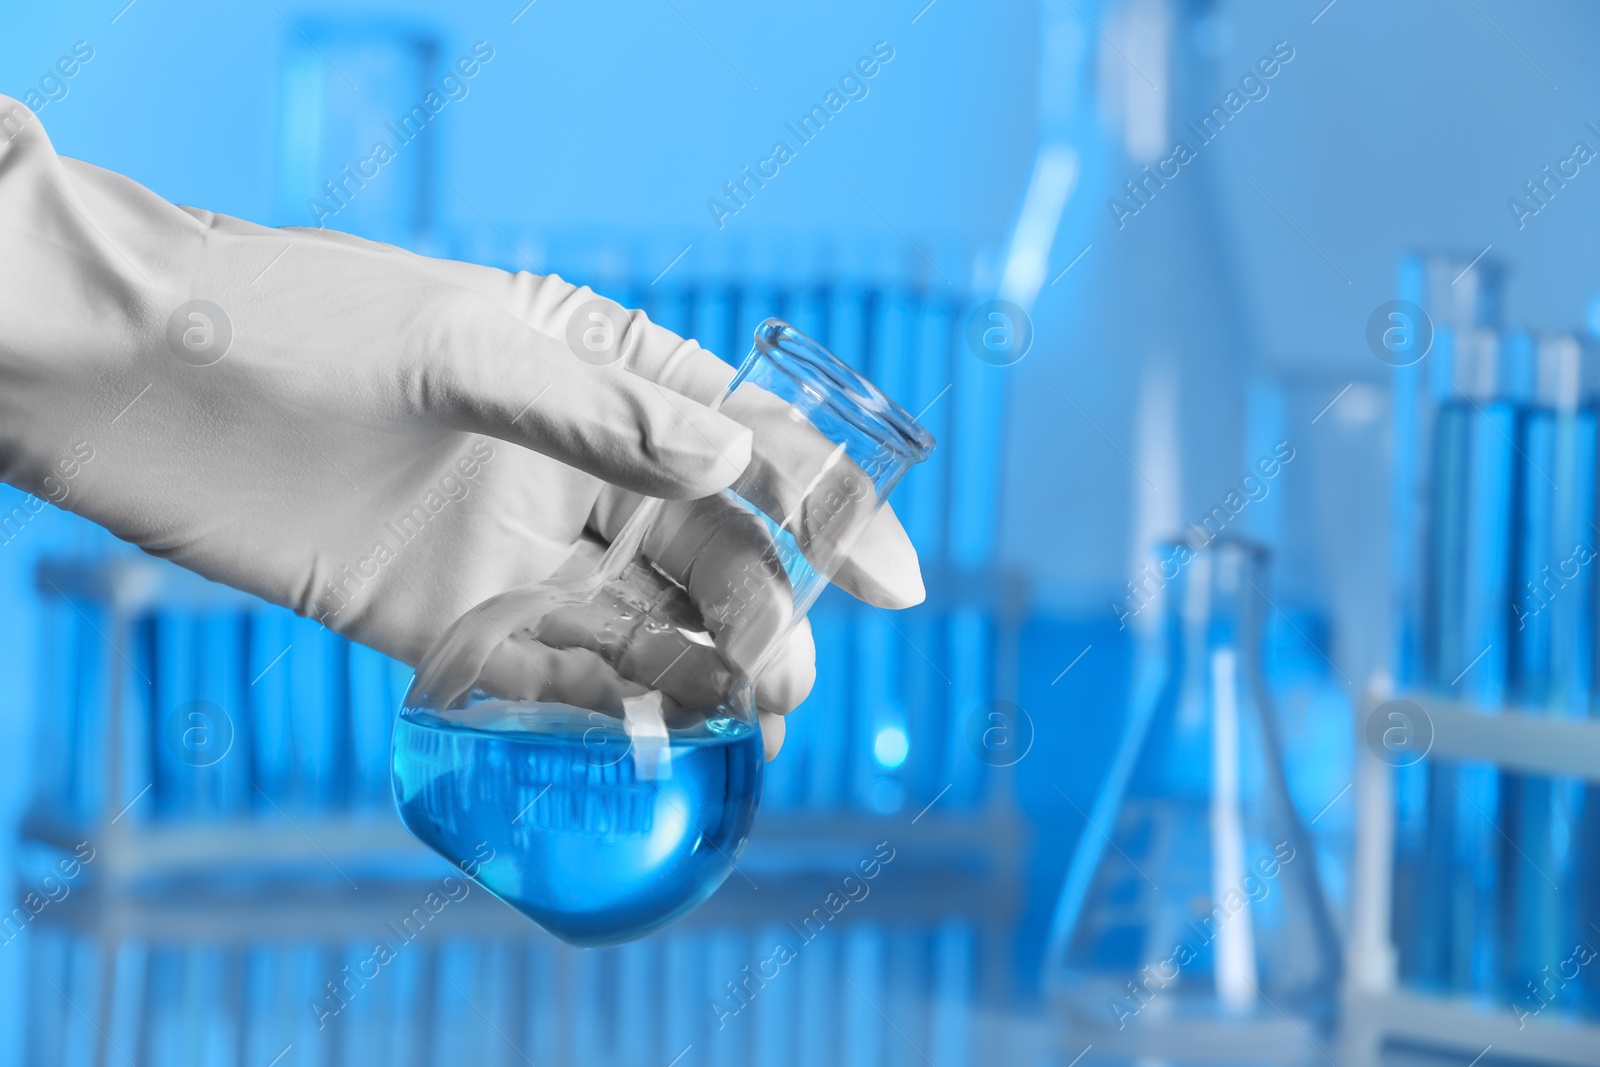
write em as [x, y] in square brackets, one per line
[1458, 291]
[1458, 942]
[1552, 639]
[1192, 918]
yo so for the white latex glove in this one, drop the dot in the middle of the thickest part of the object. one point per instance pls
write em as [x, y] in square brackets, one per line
[387, 440]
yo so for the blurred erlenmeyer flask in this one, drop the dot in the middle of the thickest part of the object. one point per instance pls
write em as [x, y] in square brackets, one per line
[1192, 927]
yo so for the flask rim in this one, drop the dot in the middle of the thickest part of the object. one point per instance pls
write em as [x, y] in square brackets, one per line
[1221, 543]
[826, 376]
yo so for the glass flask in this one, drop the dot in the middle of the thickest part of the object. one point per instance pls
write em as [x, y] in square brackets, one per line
[587, 748]
[1192, 926]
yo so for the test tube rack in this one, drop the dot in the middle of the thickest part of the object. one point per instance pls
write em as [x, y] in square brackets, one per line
[284, 897]
[108, 748]
[1375, 1009]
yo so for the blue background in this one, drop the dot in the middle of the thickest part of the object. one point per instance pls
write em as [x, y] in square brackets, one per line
[1169, 357]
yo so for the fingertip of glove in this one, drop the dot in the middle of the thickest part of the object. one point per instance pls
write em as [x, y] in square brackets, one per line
[724, 451]
[884, 588]
[907, 590]
[883, 569]
[773, 729]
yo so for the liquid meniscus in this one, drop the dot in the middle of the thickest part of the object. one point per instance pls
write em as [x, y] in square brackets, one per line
[595, 839]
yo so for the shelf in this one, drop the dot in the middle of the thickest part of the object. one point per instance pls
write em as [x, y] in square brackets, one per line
[979, 840]
[333, 909]
[1376, 1010]
[1469, 1028]
[266, 844]
[1517, 739]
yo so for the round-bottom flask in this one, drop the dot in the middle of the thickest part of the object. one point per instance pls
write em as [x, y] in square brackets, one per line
[587, 748]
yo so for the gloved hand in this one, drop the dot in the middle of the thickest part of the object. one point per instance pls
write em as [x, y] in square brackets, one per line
[372, 438]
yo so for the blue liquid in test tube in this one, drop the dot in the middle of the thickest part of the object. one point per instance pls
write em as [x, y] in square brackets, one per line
[1551, 633]
[1474, 466]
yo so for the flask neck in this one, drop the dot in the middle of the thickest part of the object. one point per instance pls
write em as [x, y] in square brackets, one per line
[858, 421]
[830, 447]
[1219, 600]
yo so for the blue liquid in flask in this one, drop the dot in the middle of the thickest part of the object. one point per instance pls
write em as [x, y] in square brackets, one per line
[596, 842]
